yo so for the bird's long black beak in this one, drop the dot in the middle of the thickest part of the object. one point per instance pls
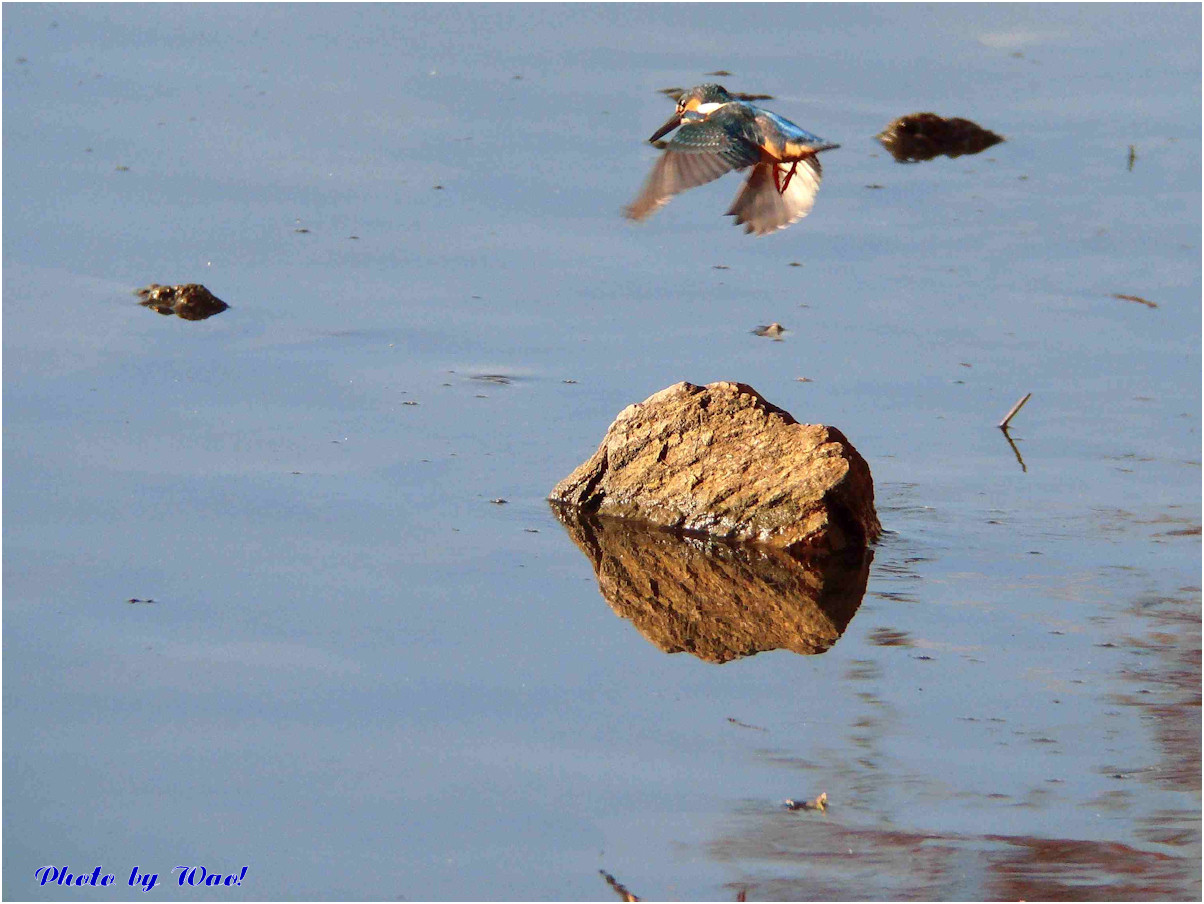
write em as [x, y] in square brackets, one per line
[673, 123]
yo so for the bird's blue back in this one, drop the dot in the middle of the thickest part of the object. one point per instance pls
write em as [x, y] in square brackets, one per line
[788, 129]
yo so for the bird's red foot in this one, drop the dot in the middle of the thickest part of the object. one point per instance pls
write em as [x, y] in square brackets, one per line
[785, 182]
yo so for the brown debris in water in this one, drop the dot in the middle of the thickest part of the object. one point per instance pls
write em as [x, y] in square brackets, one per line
[923, 136]
[189, 301]
[820, 803]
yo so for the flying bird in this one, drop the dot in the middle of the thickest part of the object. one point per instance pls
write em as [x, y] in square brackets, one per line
[718, 134]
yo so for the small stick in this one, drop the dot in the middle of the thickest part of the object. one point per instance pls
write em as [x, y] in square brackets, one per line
[1136, 298]
[1003, 425]
[1012, 443]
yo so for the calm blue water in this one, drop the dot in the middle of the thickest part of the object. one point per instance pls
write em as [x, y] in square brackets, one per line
[361, 680]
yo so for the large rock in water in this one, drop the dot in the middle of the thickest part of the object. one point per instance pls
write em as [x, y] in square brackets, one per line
[721, 460]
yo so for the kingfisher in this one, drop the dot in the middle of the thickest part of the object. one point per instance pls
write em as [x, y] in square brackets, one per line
[720, 133]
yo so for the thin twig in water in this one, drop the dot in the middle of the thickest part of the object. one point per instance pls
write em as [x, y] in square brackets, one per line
[1136, 298]
[1003, 425]
[1008, 437]
[740, 724]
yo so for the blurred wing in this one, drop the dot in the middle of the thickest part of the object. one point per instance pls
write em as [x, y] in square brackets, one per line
[762, 209]
[700, 152]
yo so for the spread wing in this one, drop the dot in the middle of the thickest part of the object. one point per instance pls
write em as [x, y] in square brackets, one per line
[700, 152]
[762, 209]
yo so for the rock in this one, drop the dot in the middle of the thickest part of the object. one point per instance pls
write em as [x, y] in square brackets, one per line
[820, 803]
[718, 601]
[190, 301]
[773, 331]
[720, 460]
[922, 136]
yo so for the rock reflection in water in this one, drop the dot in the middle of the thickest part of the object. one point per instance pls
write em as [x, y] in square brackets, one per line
[715, 600]
[821, 860]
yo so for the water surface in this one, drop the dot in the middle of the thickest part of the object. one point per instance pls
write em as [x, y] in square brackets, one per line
[362, 680]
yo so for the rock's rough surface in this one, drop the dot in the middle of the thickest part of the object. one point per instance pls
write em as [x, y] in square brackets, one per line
[721, 460]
